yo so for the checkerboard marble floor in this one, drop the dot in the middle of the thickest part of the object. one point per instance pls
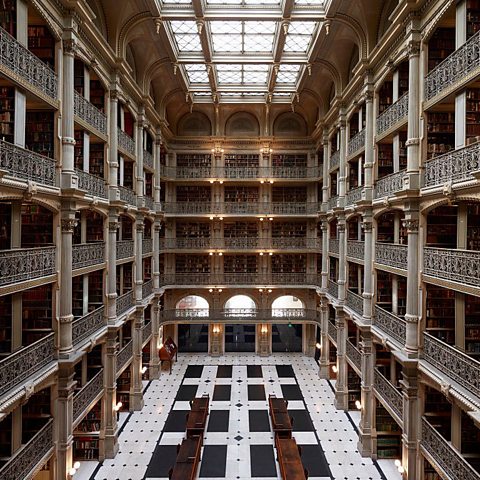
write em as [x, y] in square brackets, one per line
[238, 442]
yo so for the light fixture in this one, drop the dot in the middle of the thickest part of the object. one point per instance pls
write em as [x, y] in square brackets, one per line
[271, 219]
[271, 181]
[261, 219]
[118, 406]
[144, 369]
[264, 330]
[269, 290]
[76, 465]
[72, 472]
[260, 290]
[358, 404]
[400, 469]
[210, 290]
[334, 369]
[220, 290]
[210, 253]
[217, 150]
[397, 462]
[220, 254]
[318, 345]
[261, 254]
[212, 181]
[270, 253]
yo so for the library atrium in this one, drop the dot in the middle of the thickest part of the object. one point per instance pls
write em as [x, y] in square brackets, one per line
[212, 210]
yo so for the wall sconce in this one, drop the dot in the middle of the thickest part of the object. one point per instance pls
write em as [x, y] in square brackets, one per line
[334, 369]
[216, 330]
[358, 405]
[117, 408]
[219, 290]
[74, 469]
[318, 345]
[144, 370]
[217, 150]
[215, 217]
[263, 218]
[267, 290]
[220, 254]
[399, 466]
[266, 150]
[264, 330]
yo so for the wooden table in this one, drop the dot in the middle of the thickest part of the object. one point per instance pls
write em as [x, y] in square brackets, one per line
[196, 422]
[187, 459]
[281, 423]
[200, 404]
[291, 466]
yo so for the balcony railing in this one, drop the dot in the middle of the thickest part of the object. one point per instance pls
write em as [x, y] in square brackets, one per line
[91, 184]
[148, 201]
[29, 456]
[124, 356]
[333, 202]
[25, 362]
[356, 249]
[333, 245]
[357, 143]
[241, 243]
[391, 254]
[25, 164]
[187, 243]
[186, 173]
[290, 208]
[126, 143]
[89, 113]
[355, 302]
[125, 249]
[292, 242]
[332, 331]
[461, 266]
[87, 254]
[20, 63]
[147, 246]
[146, 331]
[147, 159]
[391, 395]
[335, 160]
[147, 288]
[23, 264]
[448, 459]
[241, 208]
[394, 115]
[333, 288]
[389, 185]
[293, 172]
[127, 195]
[455, 166]
[84, 327]
[452, 362]
[391, 324]
[86, 396]
[124, 303]
[354, 196]
[353, 353]
[461, 64]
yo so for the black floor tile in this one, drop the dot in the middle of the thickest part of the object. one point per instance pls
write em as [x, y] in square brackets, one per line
[314, 461]
[222, 393]
[186, 393]
[285, 371]
[194, 371]
[254, 371]
[218, 420]
[262, 461]
[163, 459]
[224, 371]
[214, 461]
[258, 421]
[301, 421]
[292, 392]
[176, 421]
[256, 392]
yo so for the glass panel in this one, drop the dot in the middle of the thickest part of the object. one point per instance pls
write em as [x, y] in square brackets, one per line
[239, 338]
[197, 73]
[286, 338]
[288, 73]
[193, 338]
[299, 36]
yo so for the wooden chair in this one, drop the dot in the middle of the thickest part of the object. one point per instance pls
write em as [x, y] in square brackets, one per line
[170, 473]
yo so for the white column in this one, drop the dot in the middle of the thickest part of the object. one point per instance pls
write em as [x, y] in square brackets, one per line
[367, 412]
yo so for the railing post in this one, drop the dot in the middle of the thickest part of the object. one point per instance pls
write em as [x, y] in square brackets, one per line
[367, 412]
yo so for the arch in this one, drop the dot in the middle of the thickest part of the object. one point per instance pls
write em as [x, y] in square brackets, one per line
[125, 30]
[130, 59]
[150, 73]
[334, 74]
[95, 209]
[240, 305]
[52, 24]
[354, 59]
[241, 124]
[287, 302]
[289, 124]
[355, 25]
[195, 124]
[193, 305]
[166, 100]
[384, 20]
[100, 18]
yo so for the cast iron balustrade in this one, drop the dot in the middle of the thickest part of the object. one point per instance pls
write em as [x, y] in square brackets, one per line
[333, 288]
[335, 160]
[147, 159]
[393, 116]
[355, 302]
[147, 288]
[389, 185]
[293, 172]
[240, 208]
[443, 453]
[354, 196]
[391, 324]
[126, 142]
[148, 201]
[333, 245]
[455, 166]
[333, 202]
[26, 165]
[463, 63]
[237, 173]
[25, 362]
[91, 184]
[241, 243]
[147, 246]
[391, 254]
[293, 243]
[19, 63]
[87, 254]
[27, 458]
[84, 327]
[124, 303]
[86, 395]
[390, 395]
[452, 362]
[353, 353]
[291, 208]
[186, 173]
[461, 266]
[89, 113]
[127, 195]
[125, 249]
[356, 249]
[124, 356]
[146, 332]
[332, 331]
[186, 243]
[22, 264]
[188, 208]
[357, 143]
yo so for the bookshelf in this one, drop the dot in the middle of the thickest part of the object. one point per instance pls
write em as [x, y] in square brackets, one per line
[36, 313]
[97, 159]
[289, 194]
[440, 313]
[353, 168]
[401, 295]
[385, 159]
[97, 94]
[128, 174]
[241, 160]
[123, 389]
[94, 227]
[389, 434]
[148, 184]
[470, 441]
[473, 17]
[6, 439]
[94, 361]
[473, 115]
[442, 227]
[438, 411]
[289, 263]
[95, 290]
[92, 421]
[403, 79]
[147, 269]
[440, 46]
[333, 184]
[39, 132]
[7, 113]
[353, 285]
[8, 16]
[289, 160]
[241, 194]
[37, 226]
[240, 264]
[333, 269]
[384, 290]
[126, 226]
[429, 472]
[127, 275]
[402, 153]
[440, 133]
[385, 96]
[192, 230]
[128, 122]
[354, 391]
[193, 193]
[79, 77]
[385, 228]
[383, 360]
[5, 325]
[240, 230]
[192, 264]
[78, 149]
[5, 225]
[472, 325]
[35, 414]
[77, 296]
[86, 435]
[473, 227]
[289, 229]
[192, 160]
[42, 44]
[332, 356]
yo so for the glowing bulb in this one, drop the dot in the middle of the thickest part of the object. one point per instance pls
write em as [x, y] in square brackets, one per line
[271, 181]
[76, 465]
[211, 218]
[221, 181]
[220, 254]
[270, 253]
[260, 290]
[358, 404]
[261, 219]
[397, 462]
[118, 406]
[221, 218]
[144, 369]
[211, 253]
[318, 345]
[211, 181]
[261, 254]
[220, 290]
[72, 472]
[210, 290]
[262, 181]
[334, 369]
[401, 469]
[271, 219]
[269, 290]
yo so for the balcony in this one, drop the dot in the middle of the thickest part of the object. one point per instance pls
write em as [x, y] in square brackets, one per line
[22, 264]
[88, 254]
[355, 302]
[91, 184]
[147, 246]
[26, 165]
[148, 202]
[293, 173]
[125, 249]
[90, 114]
[460, 266]
[126, 143]
[453, 363]
[354, 196]
[390, 395]
[354, 355]
[332, 331]
[389, 185]
[456, 166]
[393, 117]
[391, 254]
[356, 249]
[124, 303]
[25, 461]
[455, 71]
[242, 243]
[87, 396]
[124, 356]
[186, 173]
[391, 325]
[187, 243]
[147, 159]
[128, 196]
[239, 208]
[85, 327]
[19, 63]
[443, 456]
[293, 243]
[147, 289]
[332, 289]
[146, 332]
[335, 160]
[27, 361]
[333, 245]
[333, 202]
[356, 144]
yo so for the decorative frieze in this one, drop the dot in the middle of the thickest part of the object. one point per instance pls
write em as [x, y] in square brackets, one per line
[391, 395]
[389, 185]
[124, 303]
[125, 249]
[353, 353]
[128, 196]
[124, 355]
[357, 143]
[91, 184]
[126, 143]
[391, 324]
[356, 249]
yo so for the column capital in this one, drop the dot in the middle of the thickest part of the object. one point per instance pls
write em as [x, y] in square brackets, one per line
[113, 225]
[70, 46]
[68, 224]
[413, 48]
[411, 225]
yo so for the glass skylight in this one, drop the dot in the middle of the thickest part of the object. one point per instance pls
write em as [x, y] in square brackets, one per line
[197, 73]
[299, 36]
[242, 74]
[186, 36]
[288, 73]
[242, 37]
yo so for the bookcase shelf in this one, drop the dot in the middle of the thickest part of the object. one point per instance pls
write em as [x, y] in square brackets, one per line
[289, 229]
[192, 264]
[442, 227]
[240, 264]
[78, 149]
[7, 113]
[123, 389]
[8, 16]
[5, 325]
[42, 44]
[79, 77]
[36, 313]
[35, 414]
[289, 160]
[194, 160]
[429, 472]
[97, 159]
[241, 194]
[472, 325]
[6, 439]
[438, 411]
[389, 434]
[39, 132]
[473, 115]
[193, 193]
[384, 290]
[473, 227]
[354, 390]
[440, 133]
[440, 313]
[86, 435]
[289, 263]
[473, 17]
[385, 96]
[289, 194]
[192, 230]
[97, 94]
[440, 46]
[37, 226]
[240, 230]
[241, 160]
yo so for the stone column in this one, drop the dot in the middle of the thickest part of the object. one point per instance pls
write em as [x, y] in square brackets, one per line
[341, 385]
[342, 173]
[324, 254]
[138, 258]
[113, 147]
[368, 268]
[154, 367]
[367, 412]
[139, 147]
[369, 139]
[157, 226]
[325, 351]
[326, 178]
[157, 169]
[113, 225]
[342, 263]
[110, 436]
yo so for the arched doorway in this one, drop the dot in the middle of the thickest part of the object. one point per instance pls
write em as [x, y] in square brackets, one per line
[192, 337]
[287, 337]
[240, 337]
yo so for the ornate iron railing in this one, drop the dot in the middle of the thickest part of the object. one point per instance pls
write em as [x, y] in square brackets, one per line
[355, 302]
[147, 288]
[333, 202]
[458, 66]
[240, 243]
[91, 184]
[332, 288]
[147, 246]
[292, 242]
[234, 172]
[389, 185]
[148, 202]
[332, 331]
[335, 160]
[462, 266]
[27, 67]
[186, 173]
[455, 166]
[186, 208]
[354, 196]
[391, 254]
[25, 362]
[84, 327]
[291, 208]
[89, 392]
[452, 362]
[86, 254]
[146, 331]
[333, 245]
[124, 356]
[292, 172]
[125, 249]
[187, 243]
[25, 164]
[357, 143]
[89, 113]
[29, 456]
[126, 142]
[127, 195]
[391, 324]
[445, 455]
[389, 393]
[124, 303]
[356, 249]
[241, 208]
[23, 264]
[394, 115]
[147, 159]
[353, 353]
